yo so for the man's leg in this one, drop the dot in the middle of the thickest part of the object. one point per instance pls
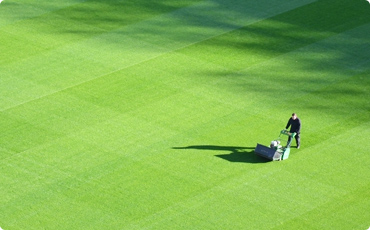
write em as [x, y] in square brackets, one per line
[288, 143]
[298, 140]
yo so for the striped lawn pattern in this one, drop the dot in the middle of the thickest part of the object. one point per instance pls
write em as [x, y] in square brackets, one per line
[145, 114]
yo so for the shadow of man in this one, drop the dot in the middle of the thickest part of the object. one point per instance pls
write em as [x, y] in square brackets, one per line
[238, 154]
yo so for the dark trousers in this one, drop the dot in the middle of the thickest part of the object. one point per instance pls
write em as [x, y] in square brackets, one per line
[297, 139]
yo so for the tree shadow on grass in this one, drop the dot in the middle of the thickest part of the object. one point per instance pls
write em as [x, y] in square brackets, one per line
[238, 154]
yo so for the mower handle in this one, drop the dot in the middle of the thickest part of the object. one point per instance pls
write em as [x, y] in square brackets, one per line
[285, 132]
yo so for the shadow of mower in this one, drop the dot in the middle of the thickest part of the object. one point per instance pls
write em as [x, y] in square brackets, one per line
[238, 154]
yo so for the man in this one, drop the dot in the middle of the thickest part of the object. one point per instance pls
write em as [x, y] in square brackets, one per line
[295, 126]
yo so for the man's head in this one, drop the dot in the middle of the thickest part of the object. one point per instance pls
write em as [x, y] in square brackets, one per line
[294, 116]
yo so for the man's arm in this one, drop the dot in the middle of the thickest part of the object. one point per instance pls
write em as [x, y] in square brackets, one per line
[287, 125]
[299, 125]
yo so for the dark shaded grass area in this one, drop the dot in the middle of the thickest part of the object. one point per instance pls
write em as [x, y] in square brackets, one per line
[113, 14]
[283, 33]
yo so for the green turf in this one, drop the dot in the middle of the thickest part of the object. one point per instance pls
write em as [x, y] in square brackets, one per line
[145, 114]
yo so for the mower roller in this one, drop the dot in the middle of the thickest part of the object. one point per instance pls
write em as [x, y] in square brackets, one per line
[276, 152]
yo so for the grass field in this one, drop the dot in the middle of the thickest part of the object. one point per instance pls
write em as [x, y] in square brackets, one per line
[145, 114]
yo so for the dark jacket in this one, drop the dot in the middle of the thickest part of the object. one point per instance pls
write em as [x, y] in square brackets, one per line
[295, 125]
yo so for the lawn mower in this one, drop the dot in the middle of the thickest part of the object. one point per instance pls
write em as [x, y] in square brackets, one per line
[276, 152]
